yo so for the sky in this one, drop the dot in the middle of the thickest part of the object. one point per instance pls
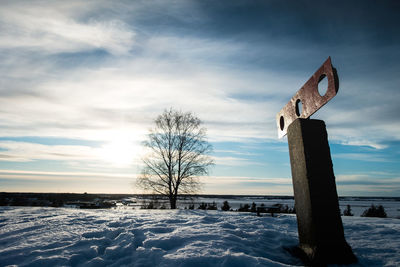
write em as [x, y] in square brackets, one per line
[81, 83]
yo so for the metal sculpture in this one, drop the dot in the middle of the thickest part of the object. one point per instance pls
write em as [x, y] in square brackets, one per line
[308, 100]
[320, 228]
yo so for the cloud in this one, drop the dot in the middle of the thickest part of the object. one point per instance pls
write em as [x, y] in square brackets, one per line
[235, 85]
[369, 190]
[371, 184]
[40, 181]
[368, 157]
[234, 152]
[85, 100]
[50, 175]
[246, 179]
[364, 143]
[56, 28]
[234, 161]
[26, 152]
[22, 152]
[247, 185]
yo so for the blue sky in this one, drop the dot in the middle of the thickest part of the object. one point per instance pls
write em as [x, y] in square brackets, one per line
[82, 81]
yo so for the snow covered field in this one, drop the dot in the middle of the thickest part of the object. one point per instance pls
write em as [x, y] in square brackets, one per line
[72, 237]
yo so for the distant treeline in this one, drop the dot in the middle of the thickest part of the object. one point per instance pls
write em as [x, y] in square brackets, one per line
[82, 199]
[59, 199]
[151, 201]
[276, 208]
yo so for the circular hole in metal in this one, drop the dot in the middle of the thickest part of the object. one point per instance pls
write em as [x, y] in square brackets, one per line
[322, 85]
[299, 107]
[282, 123]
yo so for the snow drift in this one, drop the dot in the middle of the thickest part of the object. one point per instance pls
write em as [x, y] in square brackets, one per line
[71, 237]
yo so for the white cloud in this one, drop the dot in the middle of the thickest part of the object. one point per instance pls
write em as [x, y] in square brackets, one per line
[247, 185]
[56, 28]
[50, 175]
[132, 92]
[234, 161]
[246, 179]
[373, 184]
[25, 152]
[351, 177]
[234, 152]
[369, 157]
[364, 143]
[368, 190]
[91, 182]
[371, 177]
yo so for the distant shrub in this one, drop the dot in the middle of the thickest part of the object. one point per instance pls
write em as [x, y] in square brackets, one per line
[253, 207]
[191, 206]
[279, 208]
[261, 209]
[375, 211]
[57, 203]
[152, 204]
[244, 208]
[293, 210]
[225, 206]
[347, 211]
[203, 206]
[212, 206]
[148, 206]
[285, 209]
[276, 208]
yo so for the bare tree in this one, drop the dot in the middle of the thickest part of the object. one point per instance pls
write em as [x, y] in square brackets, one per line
[178, 154]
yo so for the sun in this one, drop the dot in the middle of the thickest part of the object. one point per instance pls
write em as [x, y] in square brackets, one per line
[121, 151]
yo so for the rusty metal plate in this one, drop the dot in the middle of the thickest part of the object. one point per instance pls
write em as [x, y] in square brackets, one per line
[308, 99]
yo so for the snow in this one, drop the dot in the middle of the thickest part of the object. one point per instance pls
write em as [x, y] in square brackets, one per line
[117, 237]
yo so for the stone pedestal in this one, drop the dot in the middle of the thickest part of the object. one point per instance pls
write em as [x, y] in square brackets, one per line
[321, 237]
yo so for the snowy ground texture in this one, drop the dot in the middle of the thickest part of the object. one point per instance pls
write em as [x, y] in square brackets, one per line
[72, 237]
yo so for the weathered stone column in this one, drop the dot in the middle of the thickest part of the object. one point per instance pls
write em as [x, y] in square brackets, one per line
[319, 223]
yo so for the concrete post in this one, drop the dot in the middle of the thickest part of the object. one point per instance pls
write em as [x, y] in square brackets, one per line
[319, 223]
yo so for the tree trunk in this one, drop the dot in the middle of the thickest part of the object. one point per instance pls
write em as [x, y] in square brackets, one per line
[172, 202]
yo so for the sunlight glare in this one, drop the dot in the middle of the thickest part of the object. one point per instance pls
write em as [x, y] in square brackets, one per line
[120, 151]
